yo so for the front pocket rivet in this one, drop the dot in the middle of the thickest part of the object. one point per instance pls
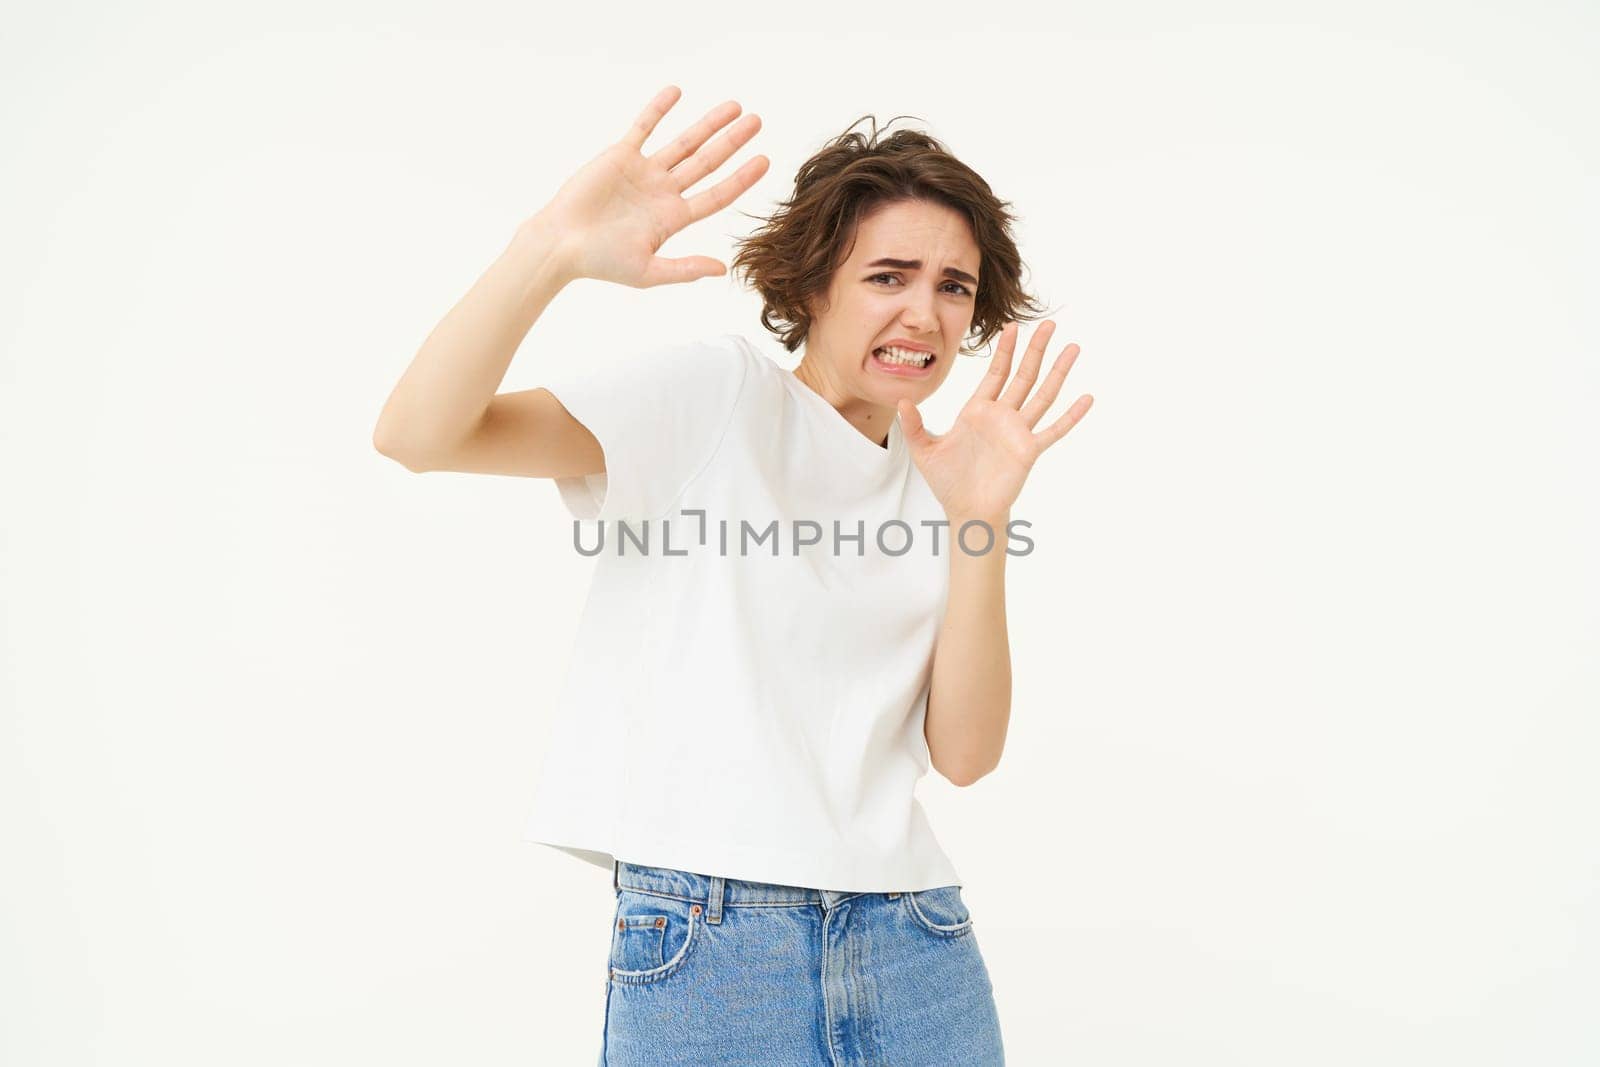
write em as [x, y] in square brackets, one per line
[694, 909]
[660, 923]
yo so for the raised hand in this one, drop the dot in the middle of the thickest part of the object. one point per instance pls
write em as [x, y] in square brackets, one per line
[977, 467]
[613, 214]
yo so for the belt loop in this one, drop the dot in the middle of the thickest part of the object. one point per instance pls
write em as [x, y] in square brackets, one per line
[615, 865]
[714, 905]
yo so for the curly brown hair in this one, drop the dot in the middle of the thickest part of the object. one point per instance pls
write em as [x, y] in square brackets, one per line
[792, 258]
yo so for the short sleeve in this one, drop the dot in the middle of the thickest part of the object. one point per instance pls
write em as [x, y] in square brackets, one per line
[658, 414]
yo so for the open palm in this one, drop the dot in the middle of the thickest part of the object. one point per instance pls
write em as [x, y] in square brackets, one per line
[615, 213]
[977, 468]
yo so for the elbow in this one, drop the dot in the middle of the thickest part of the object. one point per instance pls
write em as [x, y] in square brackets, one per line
[963, 769]
[964, 776]
[387, 443]
[388, 450]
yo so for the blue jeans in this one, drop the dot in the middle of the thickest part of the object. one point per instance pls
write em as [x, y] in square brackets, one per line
[714, 971]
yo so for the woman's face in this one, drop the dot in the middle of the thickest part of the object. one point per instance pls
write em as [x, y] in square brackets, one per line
[871, 303]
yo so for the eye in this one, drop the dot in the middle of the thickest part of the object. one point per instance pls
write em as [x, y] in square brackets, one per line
[890, 274]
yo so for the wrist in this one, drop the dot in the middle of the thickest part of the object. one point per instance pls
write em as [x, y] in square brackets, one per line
[975, 536]
[996, 521]
[543, 241]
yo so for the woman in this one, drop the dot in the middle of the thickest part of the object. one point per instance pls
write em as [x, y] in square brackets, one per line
[742, 728]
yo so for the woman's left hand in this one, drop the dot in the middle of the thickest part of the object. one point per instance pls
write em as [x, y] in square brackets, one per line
[977, 467]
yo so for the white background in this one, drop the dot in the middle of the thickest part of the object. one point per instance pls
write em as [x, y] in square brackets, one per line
[1301, 762]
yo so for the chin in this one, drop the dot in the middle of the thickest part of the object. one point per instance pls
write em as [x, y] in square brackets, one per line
[916, 392]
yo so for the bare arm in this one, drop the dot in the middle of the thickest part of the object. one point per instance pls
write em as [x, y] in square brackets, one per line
[607, 222]
[445, 415]
[969, 697]
[976, 469]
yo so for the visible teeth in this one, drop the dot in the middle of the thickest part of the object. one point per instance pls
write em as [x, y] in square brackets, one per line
[903, 355]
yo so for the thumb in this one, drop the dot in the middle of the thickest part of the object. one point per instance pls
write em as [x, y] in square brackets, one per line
[663, 271]
[910, 420]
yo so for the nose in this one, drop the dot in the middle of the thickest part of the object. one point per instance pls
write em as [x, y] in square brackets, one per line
[918, 313]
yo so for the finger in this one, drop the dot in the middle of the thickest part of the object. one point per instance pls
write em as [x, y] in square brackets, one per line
[1058, 429]
[662, 271]
[645, 124]
[911, 427]
[1028, 373]
[728, 189]
[715, 154]
[679, 148]
[1040, 403]
[999, 364]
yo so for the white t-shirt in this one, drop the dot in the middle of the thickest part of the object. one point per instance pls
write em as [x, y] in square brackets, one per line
[728, 710]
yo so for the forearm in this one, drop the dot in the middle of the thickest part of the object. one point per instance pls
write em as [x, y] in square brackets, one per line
[969, 697]
[455, 374]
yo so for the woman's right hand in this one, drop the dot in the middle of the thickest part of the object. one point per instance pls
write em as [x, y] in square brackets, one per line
[612, 215]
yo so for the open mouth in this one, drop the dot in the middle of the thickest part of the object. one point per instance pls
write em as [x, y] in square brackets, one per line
[903, 361]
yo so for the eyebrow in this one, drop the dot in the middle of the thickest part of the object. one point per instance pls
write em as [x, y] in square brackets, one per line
[916, 264]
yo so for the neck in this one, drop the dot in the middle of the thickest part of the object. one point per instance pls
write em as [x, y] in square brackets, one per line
[872, 420]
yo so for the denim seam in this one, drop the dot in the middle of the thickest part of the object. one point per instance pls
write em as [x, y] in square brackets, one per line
[605, 1022]
[827, 1010]
[738, 903]
[952, 930]
[655, 974]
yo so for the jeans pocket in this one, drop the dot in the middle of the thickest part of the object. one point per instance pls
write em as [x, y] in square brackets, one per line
[940, 911]
[651, 936]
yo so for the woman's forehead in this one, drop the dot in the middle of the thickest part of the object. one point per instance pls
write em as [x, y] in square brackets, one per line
[946, 236]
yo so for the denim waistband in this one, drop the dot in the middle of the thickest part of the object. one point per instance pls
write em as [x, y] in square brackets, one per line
[717, 892]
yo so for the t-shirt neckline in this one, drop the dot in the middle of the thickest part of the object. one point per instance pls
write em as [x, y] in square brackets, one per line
[869, 450]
